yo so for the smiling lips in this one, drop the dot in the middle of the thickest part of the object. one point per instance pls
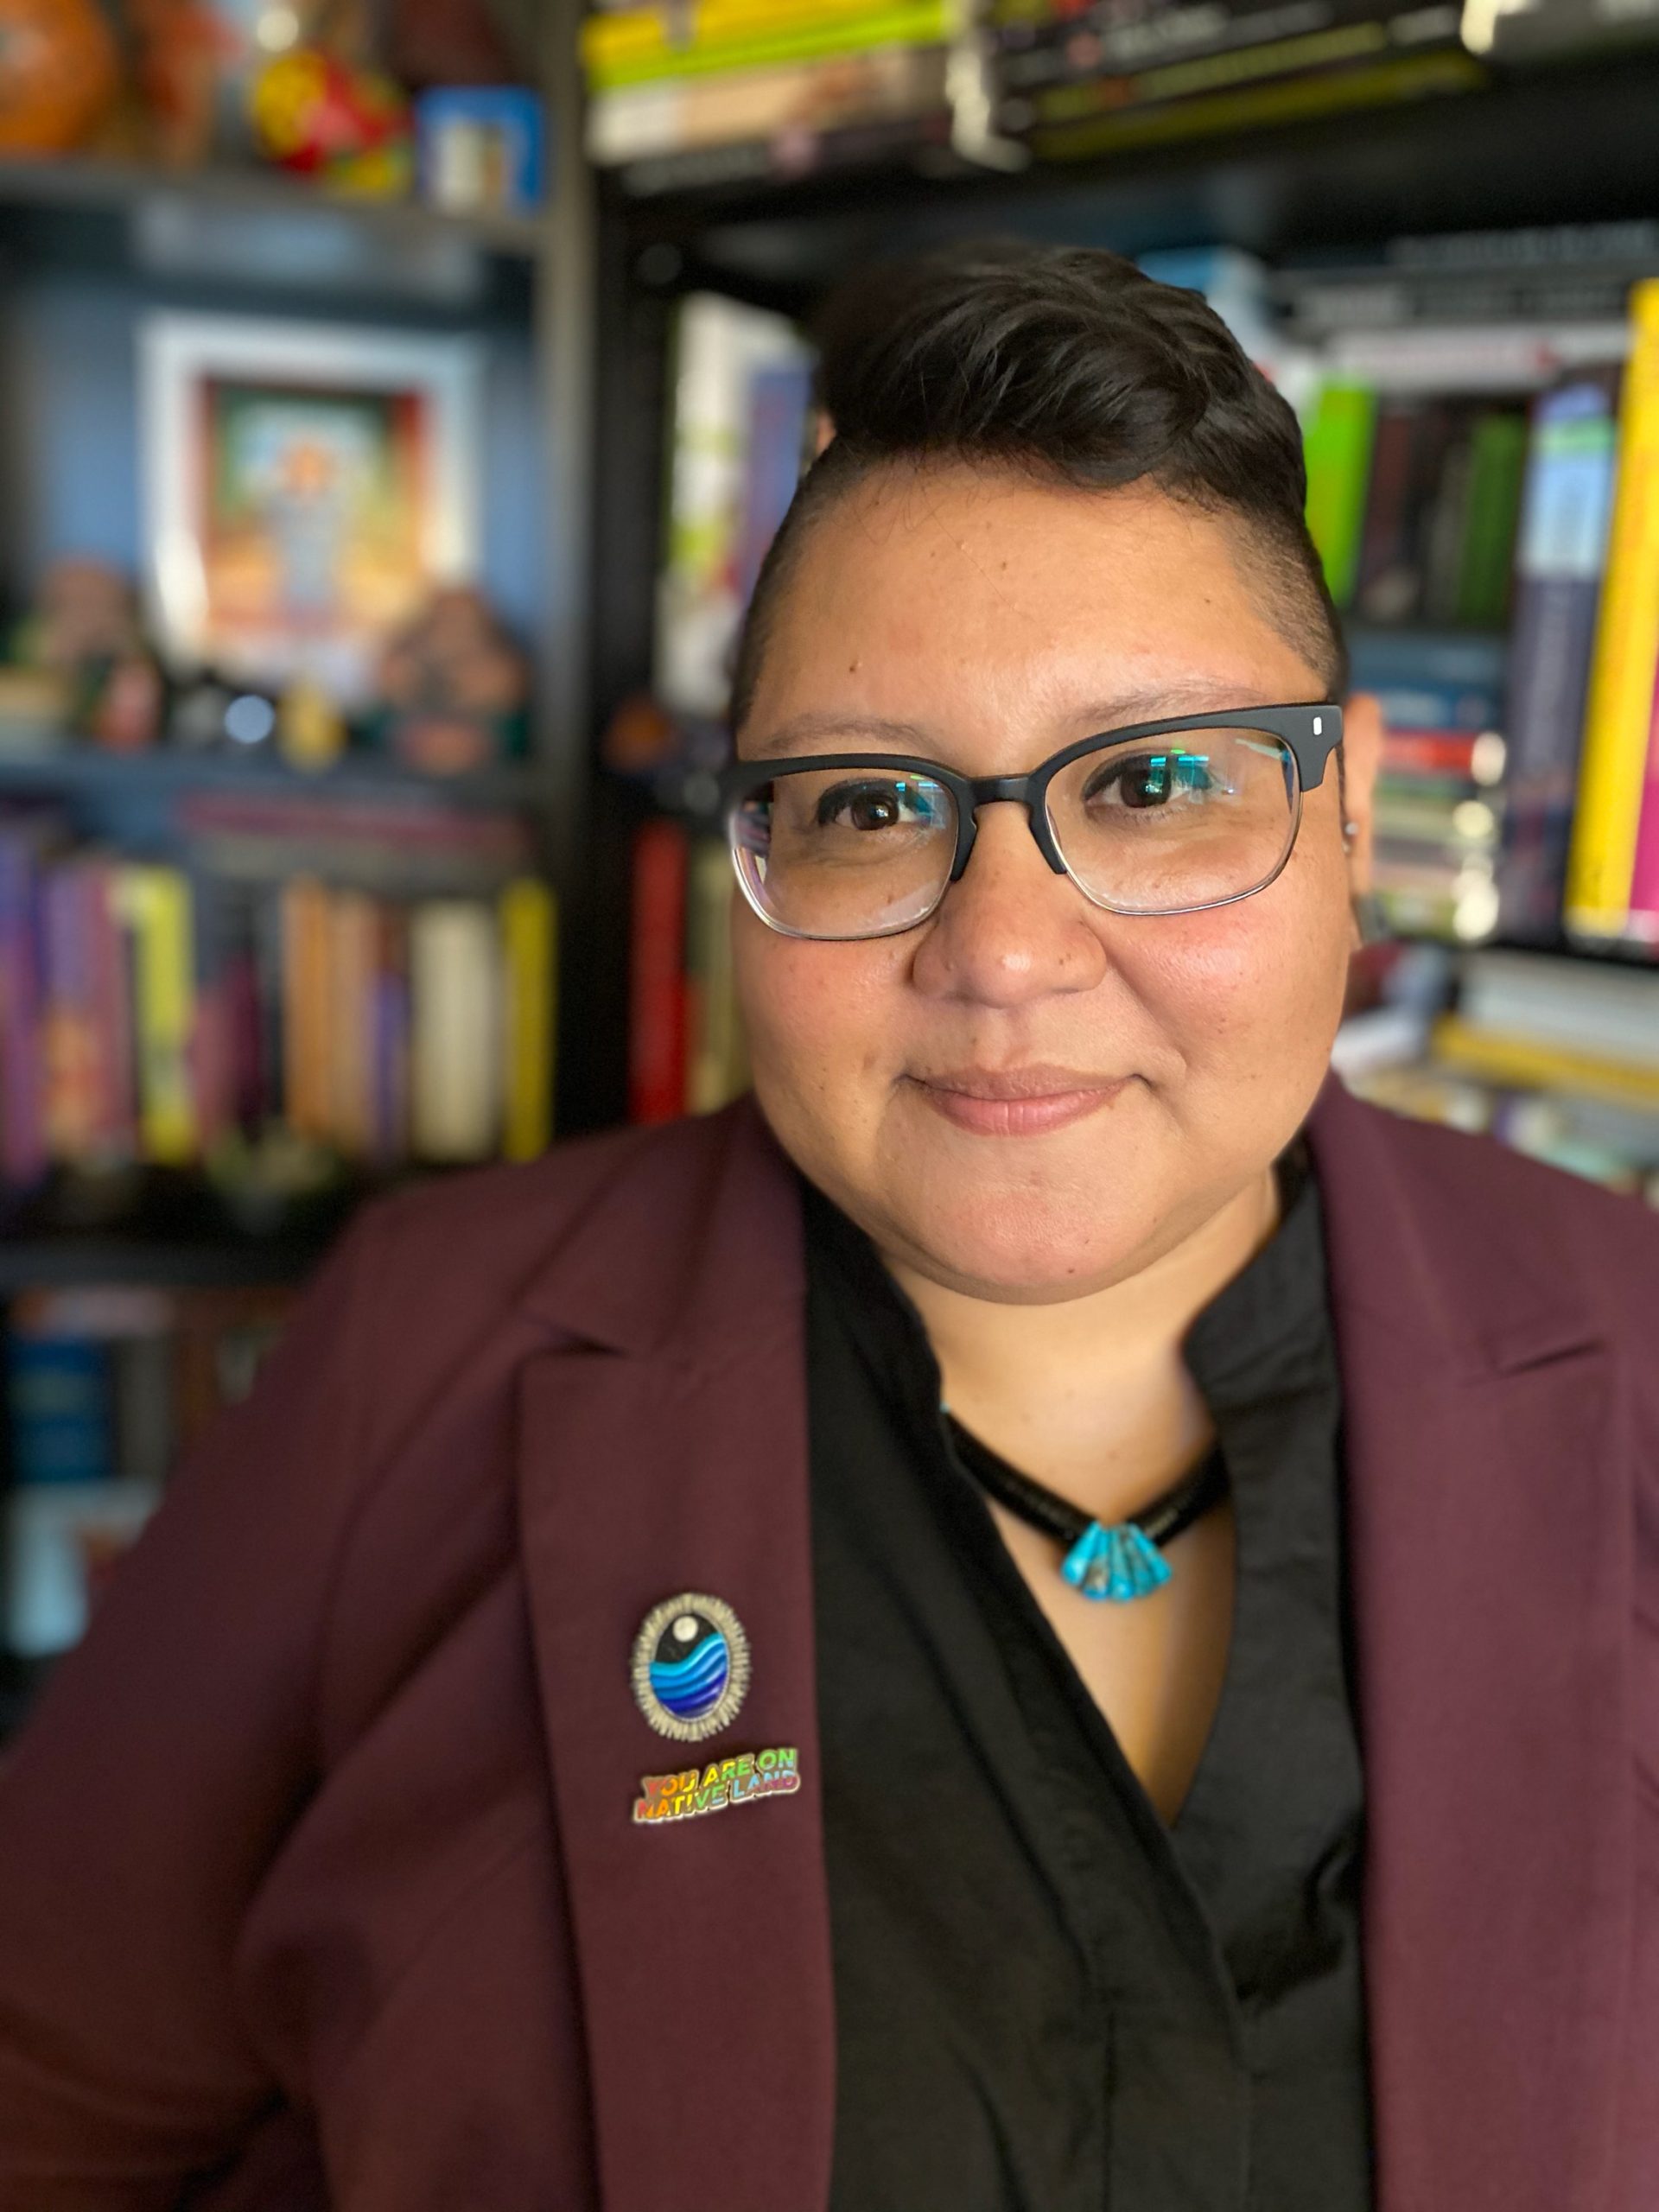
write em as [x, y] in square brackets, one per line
[1016, 1101]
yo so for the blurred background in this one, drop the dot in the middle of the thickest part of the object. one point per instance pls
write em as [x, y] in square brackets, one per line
[397, 400]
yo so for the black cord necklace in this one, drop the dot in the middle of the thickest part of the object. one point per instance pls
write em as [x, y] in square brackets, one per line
[1120, 1561]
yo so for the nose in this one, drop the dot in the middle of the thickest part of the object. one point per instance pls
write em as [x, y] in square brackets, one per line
[1009, 930]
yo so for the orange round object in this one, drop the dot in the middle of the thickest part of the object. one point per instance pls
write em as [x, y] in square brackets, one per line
[59, 72]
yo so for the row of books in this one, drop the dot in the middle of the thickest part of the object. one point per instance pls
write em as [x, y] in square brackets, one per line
[105, 1387]
[1522, 522]
[686, 1051]
[689, 91]
[1074, 81]
[168, 1015]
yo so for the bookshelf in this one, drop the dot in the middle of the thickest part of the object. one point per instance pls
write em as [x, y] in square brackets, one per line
[92, 249]
[1546, 145]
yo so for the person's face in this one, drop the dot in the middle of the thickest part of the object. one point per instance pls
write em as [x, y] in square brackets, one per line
[991, 621]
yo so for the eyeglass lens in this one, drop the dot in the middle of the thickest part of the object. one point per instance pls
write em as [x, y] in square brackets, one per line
[1152, 826]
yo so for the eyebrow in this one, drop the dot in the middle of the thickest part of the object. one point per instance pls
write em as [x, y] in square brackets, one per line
[1191, 695]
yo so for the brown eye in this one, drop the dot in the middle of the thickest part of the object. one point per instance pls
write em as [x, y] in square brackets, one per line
[1148, 781]
[874, 806]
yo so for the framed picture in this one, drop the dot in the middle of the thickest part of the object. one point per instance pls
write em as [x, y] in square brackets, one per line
[304, 487]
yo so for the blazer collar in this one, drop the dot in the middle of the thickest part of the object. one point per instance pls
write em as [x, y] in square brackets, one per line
[1490, 1521]
[692, 1246]
[665, 1450]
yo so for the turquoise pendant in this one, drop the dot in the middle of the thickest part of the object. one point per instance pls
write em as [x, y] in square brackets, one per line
[1118, 1563]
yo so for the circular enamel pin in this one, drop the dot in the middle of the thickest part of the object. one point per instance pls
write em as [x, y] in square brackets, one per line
[690, 1667]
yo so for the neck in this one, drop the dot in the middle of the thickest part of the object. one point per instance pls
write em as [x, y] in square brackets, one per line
[1091, 1396]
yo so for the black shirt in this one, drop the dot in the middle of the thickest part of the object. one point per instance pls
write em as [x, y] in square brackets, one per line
[1047, 2000]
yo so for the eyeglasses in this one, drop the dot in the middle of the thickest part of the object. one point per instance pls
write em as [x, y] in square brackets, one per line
[1164, 817]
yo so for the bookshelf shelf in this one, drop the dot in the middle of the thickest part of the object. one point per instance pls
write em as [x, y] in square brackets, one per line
[69, 1262]
[116, 187]
[72, 769]
[1570, 142]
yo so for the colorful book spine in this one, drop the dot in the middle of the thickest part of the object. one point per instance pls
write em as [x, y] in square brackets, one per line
[1644, 922]
[304, 986]
[454, 1049]
[389, 1014]
[1560, 559]
[641, 45]
[1618, 723]
[1497, 467]
[1338, 453]
[156, 905]
[724, 352]
[529, 942]
[640, 122]
[23, 1155]
[352, 948]
[713, 1057]
[780, 407]
[658, 1010]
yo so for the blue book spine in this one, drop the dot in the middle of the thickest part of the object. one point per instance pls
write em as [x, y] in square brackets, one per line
[1566, 514]
[58, 1388]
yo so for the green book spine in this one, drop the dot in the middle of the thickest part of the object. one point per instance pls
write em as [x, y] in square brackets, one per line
[1498, 466]
[1339, 449]
[888, 23]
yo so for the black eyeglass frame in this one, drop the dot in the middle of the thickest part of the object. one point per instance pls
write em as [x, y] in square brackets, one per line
[1309, 748]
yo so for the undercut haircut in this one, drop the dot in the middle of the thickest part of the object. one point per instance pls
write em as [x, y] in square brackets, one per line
[1071, 366]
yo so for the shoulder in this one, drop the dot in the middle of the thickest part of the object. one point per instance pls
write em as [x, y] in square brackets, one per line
[486, 1228]
[1508, 1214]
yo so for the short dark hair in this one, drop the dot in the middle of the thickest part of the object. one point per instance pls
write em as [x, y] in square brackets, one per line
[1071, 364]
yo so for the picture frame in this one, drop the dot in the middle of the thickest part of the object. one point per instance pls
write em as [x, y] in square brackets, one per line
[482, 148]
[305, 486]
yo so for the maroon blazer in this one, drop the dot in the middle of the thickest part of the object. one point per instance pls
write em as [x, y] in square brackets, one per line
[318, 1861]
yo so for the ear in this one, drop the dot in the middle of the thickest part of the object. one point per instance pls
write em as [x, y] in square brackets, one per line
[1362, 746]
[826, 430]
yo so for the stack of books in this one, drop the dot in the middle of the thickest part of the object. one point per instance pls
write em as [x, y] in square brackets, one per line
[1461, 488]
[686, 1051]
[699, 91]
[1557, 1056]
[104, 1388]
[1079, 77]
[169, 1014]
[1439, 802]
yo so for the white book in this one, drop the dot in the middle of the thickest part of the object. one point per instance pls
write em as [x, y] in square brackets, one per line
[455, 1056]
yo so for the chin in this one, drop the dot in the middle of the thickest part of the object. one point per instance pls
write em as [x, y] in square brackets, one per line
[1026, 1245]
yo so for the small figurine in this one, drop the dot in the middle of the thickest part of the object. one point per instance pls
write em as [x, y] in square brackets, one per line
[84, 629]
[60, 73]
[310, 728]
[454, 687]
[179, 54]
[316, 113]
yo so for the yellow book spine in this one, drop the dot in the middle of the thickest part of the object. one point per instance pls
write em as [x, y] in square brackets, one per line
[529, 946]
[156, 905]
[642, 45]
[1619, 712]
[1525, 1064]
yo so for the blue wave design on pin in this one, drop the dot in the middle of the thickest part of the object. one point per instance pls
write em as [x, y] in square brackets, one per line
[1116, 1564]
[691, 1686]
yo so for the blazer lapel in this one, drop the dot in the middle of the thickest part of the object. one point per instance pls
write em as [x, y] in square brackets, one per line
[1491, 1528]
[663, 1449]
[671, 1459]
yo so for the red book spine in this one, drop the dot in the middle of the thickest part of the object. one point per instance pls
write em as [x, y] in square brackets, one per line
[1429, 753]
[22, 1085]
[657, 1012]
[111, 989]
